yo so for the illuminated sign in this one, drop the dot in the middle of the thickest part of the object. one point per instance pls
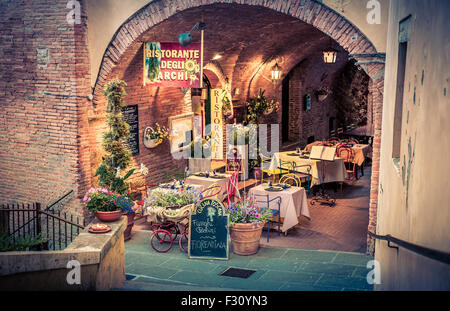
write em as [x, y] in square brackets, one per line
[171, 65]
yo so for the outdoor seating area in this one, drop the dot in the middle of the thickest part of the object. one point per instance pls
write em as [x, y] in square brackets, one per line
[285, 183]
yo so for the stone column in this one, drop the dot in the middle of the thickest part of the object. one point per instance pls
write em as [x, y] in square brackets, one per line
[374, 64]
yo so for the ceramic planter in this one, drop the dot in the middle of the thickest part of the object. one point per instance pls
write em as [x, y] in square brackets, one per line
[108, 216]
[245, 238]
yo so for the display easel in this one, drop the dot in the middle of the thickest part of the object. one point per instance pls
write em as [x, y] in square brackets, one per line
[324, 154]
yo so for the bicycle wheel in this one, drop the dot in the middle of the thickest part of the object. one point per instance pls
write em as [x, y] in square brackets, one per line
[172, 228]
[184, 241]
[161, 241]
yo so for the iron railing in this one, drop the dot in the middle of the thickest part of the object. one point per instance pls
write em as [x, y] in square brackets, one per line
[30, 220]
[421, 250]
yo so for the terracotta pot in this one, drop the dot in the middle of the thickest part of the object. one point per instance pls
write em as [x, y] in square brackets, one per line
[108, 216]
[245, 238]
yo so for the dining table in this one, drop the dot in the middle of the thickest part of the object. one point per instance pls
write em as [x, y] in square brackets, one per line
[360, 151]
[321, 171]
[293, 203]
[203, 181]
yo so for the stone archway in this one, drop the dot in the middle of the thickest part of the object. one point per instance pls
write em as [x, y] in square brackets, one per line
[321, 17]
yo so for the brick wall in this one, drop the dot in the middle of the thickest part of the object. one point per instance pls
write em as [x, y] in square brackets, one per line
[43, 88]
[155, 105]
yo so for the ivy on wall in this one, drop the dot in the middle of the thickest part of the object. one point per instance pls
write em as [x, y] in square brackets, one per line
[350, 94]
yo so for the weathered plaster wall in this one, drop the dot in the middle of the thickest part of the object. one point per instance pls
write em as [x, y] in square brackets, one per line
[106, 16]
[413, 198]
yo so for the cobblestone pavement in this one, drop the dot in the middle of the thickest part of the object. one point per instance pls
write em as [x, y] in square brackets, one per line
[277, 269]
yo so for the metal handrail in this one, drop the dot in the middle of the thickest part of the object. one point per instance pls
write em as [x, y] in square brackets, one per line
[59, 200]
[421, 250]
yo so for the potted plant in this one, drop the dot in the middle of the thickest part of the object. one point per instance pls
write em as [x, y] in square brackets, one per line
[322, 94]
[259, 105]
[155, 136]
[107, 205]
[246, 223]
[173, 205]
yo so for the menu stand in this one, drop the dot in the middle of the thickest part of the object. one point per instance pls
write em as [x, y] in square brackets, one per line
[323, 154]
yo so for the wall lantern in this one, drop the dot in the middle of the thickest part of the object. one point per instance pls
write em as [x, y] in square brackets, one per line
[329, 56]
[204, 95]
[185, 38]
[276, 73]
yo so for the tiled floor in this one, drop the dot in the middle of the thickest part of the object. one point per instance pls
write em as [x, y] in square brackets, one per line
[277, 269]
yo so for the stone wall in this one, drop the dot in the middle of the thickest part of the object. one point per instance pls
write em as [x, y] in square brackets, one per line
[101, 258]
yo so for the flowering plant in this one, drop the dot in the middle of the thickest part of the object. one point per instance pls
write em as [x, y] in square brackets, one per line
[159, 133]
[104, 200]
[246, 211]
[259, 105]
[164, 198]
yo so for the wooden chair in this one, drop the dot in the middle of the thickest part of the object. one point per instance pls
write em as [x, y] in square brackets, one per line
[346, 153]
[211, 192]
[264, 198]
[232, 187]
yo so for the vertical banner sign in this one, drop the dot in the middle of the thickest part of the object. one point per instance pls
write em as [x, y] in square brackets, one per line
[130, 116]
[216, 125]
[208, 231]
[171, 65]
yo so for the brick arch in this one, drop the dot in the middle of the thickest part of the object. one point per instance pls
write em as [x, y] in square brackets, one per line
[215, 68]
[311, 12]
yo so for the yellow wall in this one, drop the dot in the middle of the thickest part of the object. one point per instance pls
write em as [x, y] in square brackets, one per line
[414, 199]
[106, 16]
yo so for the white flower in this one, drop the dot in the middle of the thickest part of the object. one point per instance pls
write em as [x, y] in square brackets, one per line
[143, 170]
[118, 172]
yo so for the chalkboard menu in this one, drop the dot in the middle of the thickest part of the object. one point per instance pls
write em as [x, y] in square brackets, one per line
[208, 231]
[130, 115]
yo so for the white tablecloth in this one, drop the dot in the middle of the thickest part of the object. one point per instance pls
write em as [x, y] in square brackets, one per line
[293, 203]
[333, 171]
[205, 182]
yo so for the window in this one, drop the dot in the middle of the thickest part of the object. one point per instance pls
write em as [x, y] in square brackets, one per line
[403, 38]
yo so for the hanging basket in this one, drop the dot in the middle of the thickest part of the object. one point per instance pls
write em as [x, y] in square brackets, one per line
[268, 111]
[152, 143]
[322, 97]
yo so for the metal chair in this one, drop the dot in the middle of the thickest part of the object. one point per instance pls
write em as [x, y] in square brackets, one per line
[264, 198]
[334, 140]
[301, 175]
[346, 153]
[290, 179]
[265, 166]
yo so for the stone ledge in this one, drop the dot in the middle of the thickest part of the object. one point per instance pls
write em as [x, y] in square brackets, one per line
[87, 248]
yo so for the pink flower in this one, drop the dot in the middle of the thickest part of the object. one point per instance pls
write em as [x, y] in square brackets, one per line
[92, 190]
[86, 198]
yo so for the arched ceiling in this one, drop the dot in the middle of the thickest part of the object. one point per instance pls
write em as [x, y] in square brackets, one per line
[250, 40]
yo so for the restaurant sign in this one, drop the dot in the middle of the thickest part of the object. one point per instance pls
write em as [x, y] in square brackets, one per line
[209, 231]
[216, 124]
[171, 65]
